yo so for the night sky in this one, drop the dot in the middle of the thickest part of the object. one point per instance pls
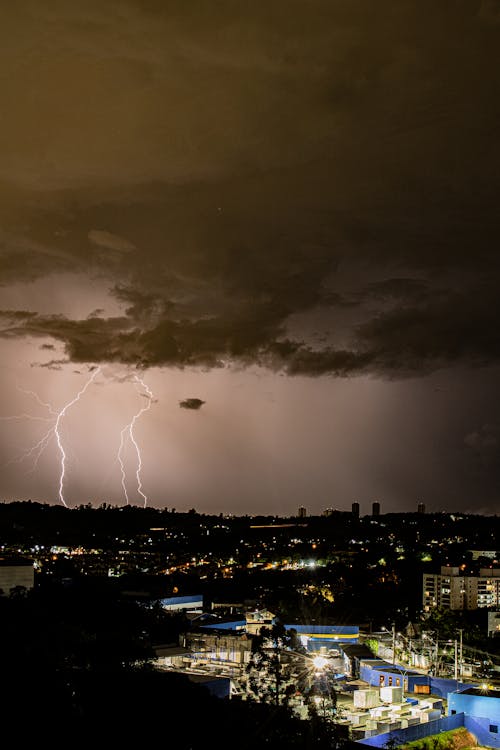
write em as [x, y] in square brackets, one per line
[282, 218]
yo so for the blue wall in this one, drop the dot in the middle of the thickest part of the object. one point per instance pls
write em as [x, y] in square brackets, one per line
[480, 728]
[481, 711]
[416, 732]
[372, 675]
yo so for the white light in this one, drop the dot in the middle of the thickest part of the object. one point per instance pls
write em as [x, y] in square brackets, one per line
[320, 662]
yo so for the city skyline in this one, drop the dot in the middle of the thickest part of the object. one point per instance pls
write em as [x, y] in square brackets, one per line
[260, 242]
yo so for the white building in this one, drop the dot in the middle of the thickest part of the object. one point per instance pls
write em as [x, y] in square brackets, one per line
[450, 589]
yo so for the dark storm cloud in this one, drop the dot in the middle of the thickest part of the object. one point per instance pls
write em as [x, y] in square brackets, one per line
[11, 316]
[242, 167]
[191, 403]
[457, 328]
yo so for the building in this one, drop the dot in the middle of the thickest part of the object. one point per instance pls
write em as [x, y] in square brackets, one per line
[383, 674]
[302, 512]
[450, 589]
[481, 709]
[477, 553]
[230, 650]
[258, 619]
[16, 572]
[352, 654]
[375, 509]
[355, 510]
[325, 638]
[188, 603]
[493, 624]
[421, 508]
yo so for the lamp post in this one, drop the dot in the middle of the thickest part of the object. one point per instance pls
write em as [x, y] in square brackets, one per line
[461, 662]
[393, 642]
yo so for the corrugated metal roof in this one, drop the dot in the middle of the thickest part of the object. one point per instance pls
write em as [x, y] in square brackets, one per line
[173, 600]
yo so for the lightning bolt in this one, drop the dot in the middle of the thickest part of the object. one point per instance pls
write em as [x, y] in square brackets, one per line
[128, 430]
[61, 416]
[120, 459]
[54, 431]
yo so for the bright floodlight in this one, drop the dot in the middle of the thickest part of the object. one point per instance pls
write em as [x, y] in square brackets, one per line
[320, 662]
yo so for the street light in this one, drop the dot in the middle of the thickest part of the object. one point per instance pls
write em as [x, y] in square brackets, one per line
[319, 662]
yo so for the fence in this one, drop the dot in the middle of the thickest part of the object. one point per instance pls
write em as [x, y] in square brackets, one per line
[417, 732]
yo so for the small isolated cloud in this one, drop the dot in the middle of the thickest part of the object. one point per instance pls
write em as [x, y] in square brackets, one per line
[191, 403]
[110, 241]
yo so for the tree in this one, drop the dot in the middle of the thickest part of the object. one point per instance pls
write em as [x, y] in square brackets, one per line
[275, 650]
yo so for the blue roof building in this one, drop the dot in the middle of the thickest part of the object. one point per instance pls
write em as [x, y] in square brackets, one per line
[481, 709]
[174, 603]
[315, 637]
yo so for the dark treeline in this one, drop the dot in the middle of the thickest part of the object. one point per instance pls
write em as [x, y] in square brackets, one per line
[47, 523]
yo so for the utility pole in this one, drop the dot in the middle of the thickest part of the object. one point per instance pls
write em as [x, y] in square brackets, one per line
[456, 660]
[393, 642]
[461, 662]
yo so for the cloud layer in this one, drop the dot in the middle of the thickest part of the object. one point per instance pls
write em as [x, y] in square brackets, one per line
[310, 187]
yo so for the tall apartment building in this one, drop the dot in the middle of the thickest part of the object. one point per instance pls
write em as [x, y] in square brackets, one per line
[375, 508]
[355, 510]
[450, 589]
